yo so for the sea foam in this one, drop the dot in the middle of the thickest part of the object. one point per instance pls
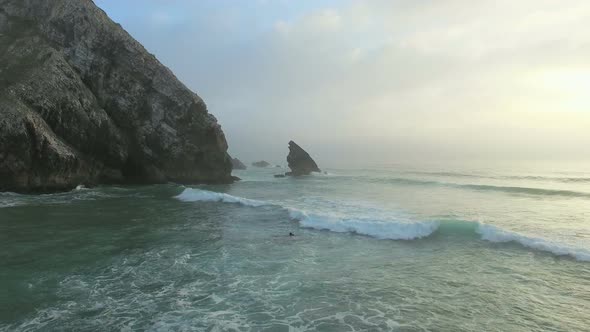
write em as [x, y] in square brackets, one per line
[390, 228]
[197, 195]
[380, 229]
[495, 234]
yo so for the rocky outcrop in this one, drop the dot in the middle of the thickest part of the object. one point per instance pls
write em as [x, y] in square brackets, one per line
[237, 164]
[300, 162]
[261, 163]
[82, 102]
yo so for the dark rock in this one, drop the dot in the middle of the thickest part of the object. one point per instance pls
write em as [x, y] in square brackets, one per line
[280, 175]
[300, 162]
[235, 178]
[237, 164]
[82, 102]
[261, 163]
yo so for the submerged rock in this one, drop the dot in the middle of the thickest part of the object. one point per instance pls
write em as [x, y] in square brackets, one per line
[81, 101]
[261, 163]
[300, 162]
[237, 164]
[279, 175]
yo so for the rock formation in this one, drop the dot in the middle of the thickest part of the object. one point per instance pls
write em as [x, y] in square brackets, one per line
[237, 164]
[82, 102]
[300, 162]
[261, 163]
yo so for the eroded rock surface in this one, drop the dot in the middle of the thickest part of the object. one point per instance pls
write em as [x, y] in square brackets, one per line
[81, 101]
[300, 162]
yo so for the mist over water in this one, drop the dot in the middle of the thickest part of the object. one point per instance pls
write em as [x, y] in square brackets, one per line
[379, 249]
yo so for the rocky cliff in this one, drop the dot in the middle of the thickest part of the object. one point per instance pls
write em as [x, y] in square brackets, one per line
[82, 102]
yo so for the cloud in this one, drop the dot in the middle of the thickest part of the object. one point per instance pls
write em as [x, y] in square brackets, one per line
[390, 79]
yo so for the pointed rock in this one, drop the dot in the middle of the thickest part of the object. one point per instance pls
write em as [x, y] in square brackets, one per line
[300, 162]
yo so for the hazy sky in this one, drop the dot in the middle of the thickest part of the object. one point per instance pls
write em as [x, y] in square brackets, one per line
[380, 80]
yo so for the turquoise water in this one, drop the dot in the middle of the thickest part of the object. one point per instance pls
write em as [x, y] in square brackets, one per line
[380, 249]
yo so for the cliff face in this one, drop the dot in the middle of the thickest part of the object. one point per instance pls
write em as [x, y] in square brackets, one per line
[82, 102]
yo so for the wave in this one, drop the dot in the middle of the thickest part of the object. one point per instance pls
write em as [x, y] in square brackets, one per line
[380, 229]
[485, 187]
[495, 234]
[392, 229]
[526, 190]
[198, 195]
[377, 228]
[80, 193]
[548, 178]
[505, 177]
[447, 174]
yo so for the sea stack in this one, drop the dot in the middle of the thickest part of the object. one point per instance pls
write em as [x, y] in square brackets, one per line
[237, 164]
[82, 102]
[300, 162]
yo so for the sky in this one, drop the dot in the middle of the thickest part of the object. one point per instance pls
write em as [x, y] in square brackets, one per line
[380, 80]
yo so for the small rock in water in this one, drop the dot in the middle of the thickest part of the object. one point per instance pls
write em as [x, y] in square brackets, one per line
[261, 163]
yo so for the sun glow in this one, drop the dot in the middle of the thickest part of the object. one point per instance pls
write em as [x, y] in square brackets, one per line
[568, 87]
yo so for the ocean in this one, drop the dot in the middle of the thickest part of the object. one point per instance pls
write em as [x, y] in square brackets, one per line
[381, 248]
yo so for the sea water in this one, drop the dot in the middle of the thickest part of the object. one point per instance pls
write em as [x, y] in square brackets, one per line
[383, 248]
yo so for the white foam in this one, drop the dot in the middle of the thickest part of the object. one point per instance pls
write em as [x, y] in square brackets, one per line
[494, 234]
[197, 195]
[81, 187]
[381, 229]
[8, 204]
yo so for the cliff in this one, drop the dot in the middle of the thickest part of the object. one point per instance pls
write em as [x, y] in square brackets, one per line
[81, 101]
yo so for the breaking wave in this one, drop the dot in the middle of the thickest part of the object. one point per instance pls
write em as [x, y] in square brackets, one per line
[197, 195]
[380, 229]
[392, 229]
[495, 234]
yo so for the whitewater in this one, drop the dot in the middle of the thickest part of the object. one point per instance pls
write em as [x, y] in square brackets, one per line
[390, 228]
[380, 248]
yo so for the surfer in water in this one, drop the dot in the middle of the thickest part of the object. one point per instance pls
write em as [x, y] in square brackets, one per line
[291, 234]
